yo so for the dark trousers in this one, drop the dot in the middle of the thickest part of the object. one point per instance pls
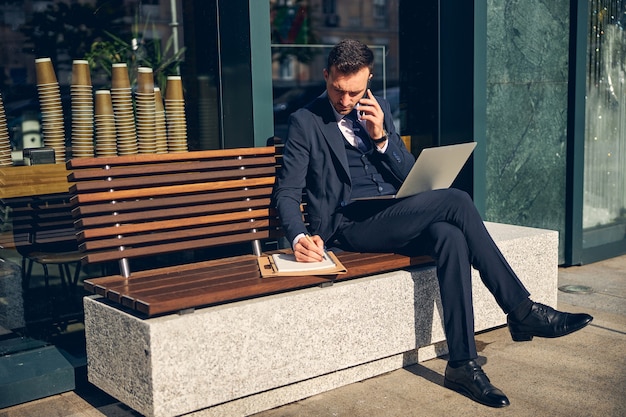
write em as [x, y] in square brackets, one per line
[446, 225]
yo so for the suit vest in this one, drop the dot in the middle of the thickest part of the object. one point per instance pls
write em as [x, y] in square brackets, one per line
[367, 173]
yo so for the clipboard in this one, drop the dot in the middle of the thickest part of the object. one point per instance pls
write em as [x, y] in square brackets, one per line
[269, 266]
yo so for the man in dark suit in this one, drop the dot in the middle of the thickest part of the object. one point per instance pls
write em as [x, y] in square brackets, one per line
[343, 146]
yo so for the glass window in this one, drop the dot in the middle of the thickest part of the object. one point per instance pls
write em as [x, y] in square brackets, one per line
[328, 6]
[145, 33]
[604, 206]
[380, 8]
[303, 32]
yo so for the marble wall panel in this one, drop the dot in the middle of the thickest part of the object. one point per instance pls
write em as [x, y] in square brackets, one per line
[527, 81]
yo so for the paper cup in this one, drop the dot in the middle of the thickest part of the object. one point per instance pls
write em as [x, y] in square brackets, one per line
[119, 76]
[45, 71]
[174, 88]
[103, 105]
[80, 72]
[145, 80]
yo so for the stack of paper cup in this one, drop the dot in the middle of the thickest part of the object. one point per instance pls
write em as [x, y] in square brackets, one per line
[122, 99]
[105, 125]
[5, 144]
[51, 110]
[159, 122]
[175, 115]
[82, 110]
[145, 111]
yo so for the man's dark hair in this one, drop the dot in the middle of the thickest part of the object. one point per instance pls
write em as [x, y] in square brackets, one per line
[350, 56]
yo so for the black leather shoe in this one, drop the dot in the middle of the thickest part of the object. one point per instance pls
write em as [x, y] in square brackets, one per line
[544, 321]
[470, 380]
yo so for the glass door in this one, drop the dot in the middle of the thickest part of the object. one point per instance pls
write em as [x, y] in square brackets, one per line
[604, 197]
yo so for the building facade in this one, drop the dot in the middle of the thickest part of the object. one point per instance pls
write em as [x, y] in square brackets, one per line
[540, 85]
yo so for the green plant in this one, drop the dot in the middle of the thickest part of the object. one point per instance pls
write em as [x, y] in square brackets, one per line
[137, 52]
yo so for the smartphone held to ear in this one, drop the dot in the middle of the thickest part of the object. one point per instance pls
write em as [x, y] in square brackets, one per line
[366, 95]
[361, 113]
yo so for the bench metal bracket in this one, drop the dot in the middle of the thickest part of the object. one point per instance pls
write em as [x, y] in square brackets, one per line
[256, 247]
[124, 266]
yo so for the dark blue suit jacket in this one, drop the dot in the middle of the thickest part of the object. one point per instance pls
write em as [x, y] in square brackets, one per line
[315, 161]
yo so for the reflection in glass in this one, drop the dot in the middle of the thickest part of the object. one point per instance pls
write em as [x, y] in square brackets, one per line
[604, 208]
[304, 81]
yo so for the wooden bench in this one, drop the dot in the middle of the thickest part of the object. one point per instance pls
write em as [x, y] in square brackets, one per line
[135, 209]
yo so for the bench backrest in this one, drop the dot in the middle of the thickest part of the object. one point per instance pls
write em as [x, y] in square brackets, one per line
[139, 205]
[41, 223]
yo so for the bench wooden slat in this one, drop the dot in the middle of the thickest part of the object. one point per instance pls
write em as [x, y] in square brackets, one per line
[171, 212]
[158, 249]
[185, 166]
[195, 282]
[81, 163]
[167, 190]
[185, 200]
[142, 239]
[167, 179]
[158, 211]
[101, 285]
[162, 225]
[218, 271]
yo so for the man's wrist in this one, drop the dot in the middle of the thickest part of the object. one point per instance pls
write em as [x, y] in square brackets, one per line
[296, 239]
[383, 138]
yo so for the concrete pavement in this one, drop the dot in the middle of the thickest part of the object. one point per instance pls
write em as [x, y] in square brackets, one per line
[583, 374]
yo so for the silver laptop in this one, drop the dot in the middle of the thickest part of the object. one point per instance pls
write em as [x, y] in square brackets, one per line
[434, 169]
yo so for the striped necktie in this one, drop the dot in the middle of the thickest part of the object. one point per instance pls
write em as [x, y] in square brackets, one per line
[361, 136]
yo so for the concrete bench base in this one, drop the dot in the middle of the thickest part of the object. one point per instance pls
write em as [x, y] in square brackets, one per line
[246, 357]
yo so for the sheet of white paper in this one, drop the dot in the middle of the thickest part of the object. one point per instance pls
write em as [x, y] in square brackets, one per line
[287, 263]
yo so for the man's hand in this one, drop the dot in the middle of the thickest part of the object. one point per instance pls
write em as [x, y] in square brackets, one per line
[309, 249]
[372, 113]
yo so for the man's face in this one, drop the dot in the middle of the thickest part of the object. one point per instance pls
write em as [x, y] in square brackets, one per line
[345, 90]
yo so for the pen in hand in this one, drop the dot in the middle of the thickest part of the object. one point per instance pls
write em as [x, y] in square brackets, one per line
[312, 251]
[308, 237]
